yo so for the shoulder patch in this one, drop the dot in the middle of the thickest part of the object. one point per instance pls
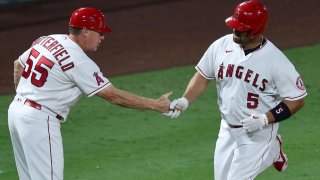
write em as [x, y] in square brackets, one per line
[98, 78]
[299, 83]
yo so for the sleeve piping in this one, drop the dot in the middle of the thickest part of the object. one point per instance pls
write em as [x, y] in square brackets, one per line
[297, 97]
[202, 73]
[99, 89]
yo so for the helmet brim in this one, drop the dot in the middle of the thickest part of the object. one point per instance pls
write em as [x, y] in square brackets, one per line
[234, 24]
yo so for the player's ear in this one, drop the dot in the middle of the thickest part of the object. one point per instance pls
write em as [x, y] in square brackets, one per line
[85, 32]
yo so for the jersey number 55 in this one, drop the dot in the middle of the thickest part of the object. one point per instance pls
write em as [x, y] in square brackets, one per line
[39, 73]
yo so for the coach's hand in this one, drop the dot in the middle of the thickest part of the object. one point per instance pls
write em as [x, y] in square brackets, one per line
[255, 122]
[177, 106]
[163, 103]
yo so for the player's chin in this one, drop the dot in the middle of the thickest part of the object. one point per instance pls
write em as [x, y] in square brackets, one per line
[95, 48]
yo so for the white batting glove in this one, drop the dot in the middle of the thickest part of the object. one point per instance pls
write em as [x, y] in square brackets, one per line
[255, 122]
[177, 106]
[168, 113]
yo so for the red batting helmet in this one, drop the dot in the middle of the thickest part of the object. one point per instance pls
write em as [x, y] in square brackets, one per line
[249, 16]
[89, 18]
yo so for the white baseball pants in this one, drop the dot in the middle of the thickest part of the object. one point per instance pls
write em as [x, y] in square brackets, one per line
[242, 156]
[36, 141]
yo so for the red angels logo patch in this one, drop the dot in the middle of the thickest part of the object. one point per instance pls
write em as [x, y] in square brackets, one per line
[98, 78]
[299, 83]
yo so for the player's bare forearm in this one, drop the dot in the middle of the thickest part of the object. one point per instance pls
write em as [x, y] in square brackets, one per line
[196, 87]
[129, 100]
[294, 106]
[17, 72]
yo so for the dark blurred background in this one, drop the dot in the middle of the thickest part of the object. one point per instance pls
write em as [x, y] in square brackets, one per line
[148, 34]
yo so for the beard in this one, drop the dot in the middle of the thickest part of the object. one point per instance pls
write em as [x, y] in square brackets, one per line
[237, 37]
[240, 38]
[237, 40]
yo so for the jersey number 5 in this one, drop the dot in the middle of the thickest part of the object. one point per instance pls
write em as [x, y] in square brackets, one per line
[39, 69]
[252, 100]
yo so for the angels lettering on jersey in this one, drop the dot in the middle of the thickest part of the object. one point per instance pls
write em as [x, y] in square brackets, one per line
[239, 72]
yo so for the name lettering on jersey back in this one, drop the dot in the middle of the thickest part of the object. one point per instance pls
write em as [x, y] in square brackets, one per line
[57, 50]
[248, 76]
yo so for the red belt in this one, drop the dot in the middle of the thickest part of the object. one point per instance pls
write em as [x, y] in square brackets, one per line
[39, 107]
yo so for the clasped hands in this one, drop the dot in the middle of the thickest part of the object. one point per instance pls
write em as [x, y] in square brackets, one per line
[177, 106]
[252, 123]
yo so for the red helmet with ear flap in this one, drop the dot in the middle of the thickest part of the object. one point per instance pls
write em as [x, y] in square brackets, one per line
[249, 16]
[89, 18]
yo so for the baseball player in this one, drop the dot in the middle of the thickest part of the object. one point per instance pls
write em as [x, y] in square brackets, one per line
[50, 77]
[257, 88]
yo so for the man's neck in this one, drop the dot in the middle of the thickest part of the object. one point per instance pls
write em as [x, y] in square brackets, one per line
[77, 40]
[258, 46]
[253, 43]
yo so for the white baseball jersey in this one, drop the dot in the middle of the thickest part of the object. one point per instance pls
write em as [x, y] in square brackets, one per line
[57, 72]
[258, 81]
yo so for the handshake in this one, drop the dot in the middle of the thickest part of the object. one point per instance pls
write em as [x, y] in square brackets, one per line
[177, 106]
[252, 123]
